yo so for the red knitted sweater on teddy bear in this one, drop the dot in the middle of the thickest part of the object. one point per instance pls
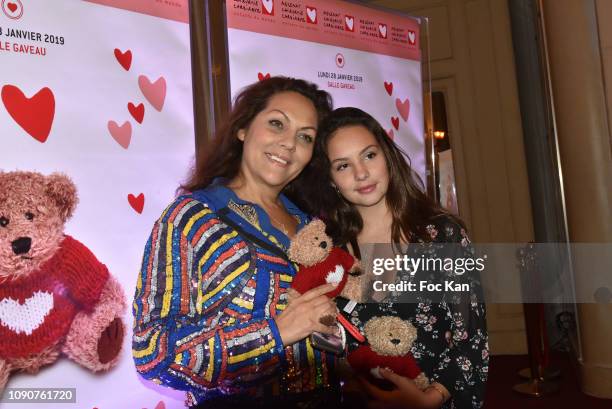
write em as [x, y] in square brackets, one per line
[364, 358]
[334, 268]
[36, 310]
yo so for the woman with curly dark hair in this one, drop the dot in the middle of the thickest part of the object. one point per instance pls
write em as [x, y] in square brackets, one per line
[211, 311]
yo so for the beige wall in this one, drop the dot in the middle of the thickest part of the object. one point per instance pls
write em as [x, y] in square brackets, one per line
[472, 62]
[581, 72]
[604, 17]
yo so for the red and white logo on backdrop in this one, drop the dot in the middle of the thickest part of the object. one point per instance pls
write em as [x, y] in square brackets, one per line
[267, 7]
[311, 15]
[412, 37]
[382, 30]
[349, 23]
[13, 9]
[340, 60]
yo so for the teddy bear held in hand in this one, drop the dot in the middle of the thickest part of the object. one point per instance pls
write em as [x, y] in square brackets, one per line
[55, 296]
[390, 339]
[320, 263]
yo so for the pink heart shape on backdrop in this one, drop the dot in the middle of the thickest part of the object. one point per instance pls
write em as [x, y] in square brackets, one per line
[403, 108]
[390, 134]
[122, 134]
[395, 122]
[154, 92]
[389, 87]
[137, 202]
[124, 58]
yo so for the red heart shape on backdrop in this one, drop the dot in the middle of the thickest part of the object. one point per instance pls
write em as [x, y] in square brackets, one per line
[390, 134]
[389, 87]
[124, 58]
[395, 122]
[262, 77]
[34, 115]
[137, 111]
[12, 7]
[137, 202]
[403, 108]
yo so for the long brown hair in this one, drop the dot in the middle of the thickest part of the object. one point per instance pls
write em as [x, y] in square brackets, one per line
[411, 209]
[222, 157]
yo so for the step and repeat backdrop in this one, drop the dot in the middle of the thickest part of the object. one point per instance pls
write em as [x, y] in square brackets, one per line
[102, 92]
[365, 57]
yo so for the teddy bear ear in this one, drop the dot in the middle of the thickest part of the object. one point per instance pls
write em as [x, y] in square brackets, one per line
[317, 224]
[62, 191]
[372, 325]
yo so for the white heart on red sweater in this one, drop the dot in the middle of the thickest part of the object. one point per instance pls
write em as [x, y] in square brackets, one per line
[375, 372]
[336, 275]
[28, 316]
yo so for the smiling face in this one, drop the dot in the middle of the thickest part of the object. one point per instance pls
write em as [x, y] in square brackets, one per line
[358, 166]
[279, 141]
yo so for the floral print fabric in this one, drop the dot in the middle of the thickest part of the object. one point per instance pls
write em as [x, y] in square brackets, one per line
[451, 346]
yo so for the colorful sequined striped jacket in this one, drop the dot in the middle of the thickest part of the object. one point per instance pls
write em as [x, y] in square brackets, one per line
[206, 298]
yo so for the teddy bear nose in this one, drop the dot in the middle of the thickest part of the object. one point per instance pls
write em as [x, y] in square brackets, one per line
[21, 245]
[396, 341]
[323, 244]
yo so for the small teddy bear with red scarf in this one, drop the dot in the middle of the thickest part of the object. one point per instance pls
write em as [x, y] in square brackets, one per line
[322, 263]
[55, 296]
[389, 342]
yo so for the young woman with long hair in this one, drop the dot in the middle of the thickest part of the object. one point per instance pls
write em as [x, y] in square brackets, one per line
[360, 183]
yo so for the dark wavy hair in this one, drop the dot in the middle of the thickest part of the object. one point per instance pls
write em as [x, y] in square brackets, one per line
[222, 157]
[411, 209]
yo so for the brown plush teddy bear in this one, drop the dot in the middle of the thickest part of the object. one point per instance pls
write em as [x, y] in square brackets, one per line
[55, 296]
[390, 339]
[320, 263]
